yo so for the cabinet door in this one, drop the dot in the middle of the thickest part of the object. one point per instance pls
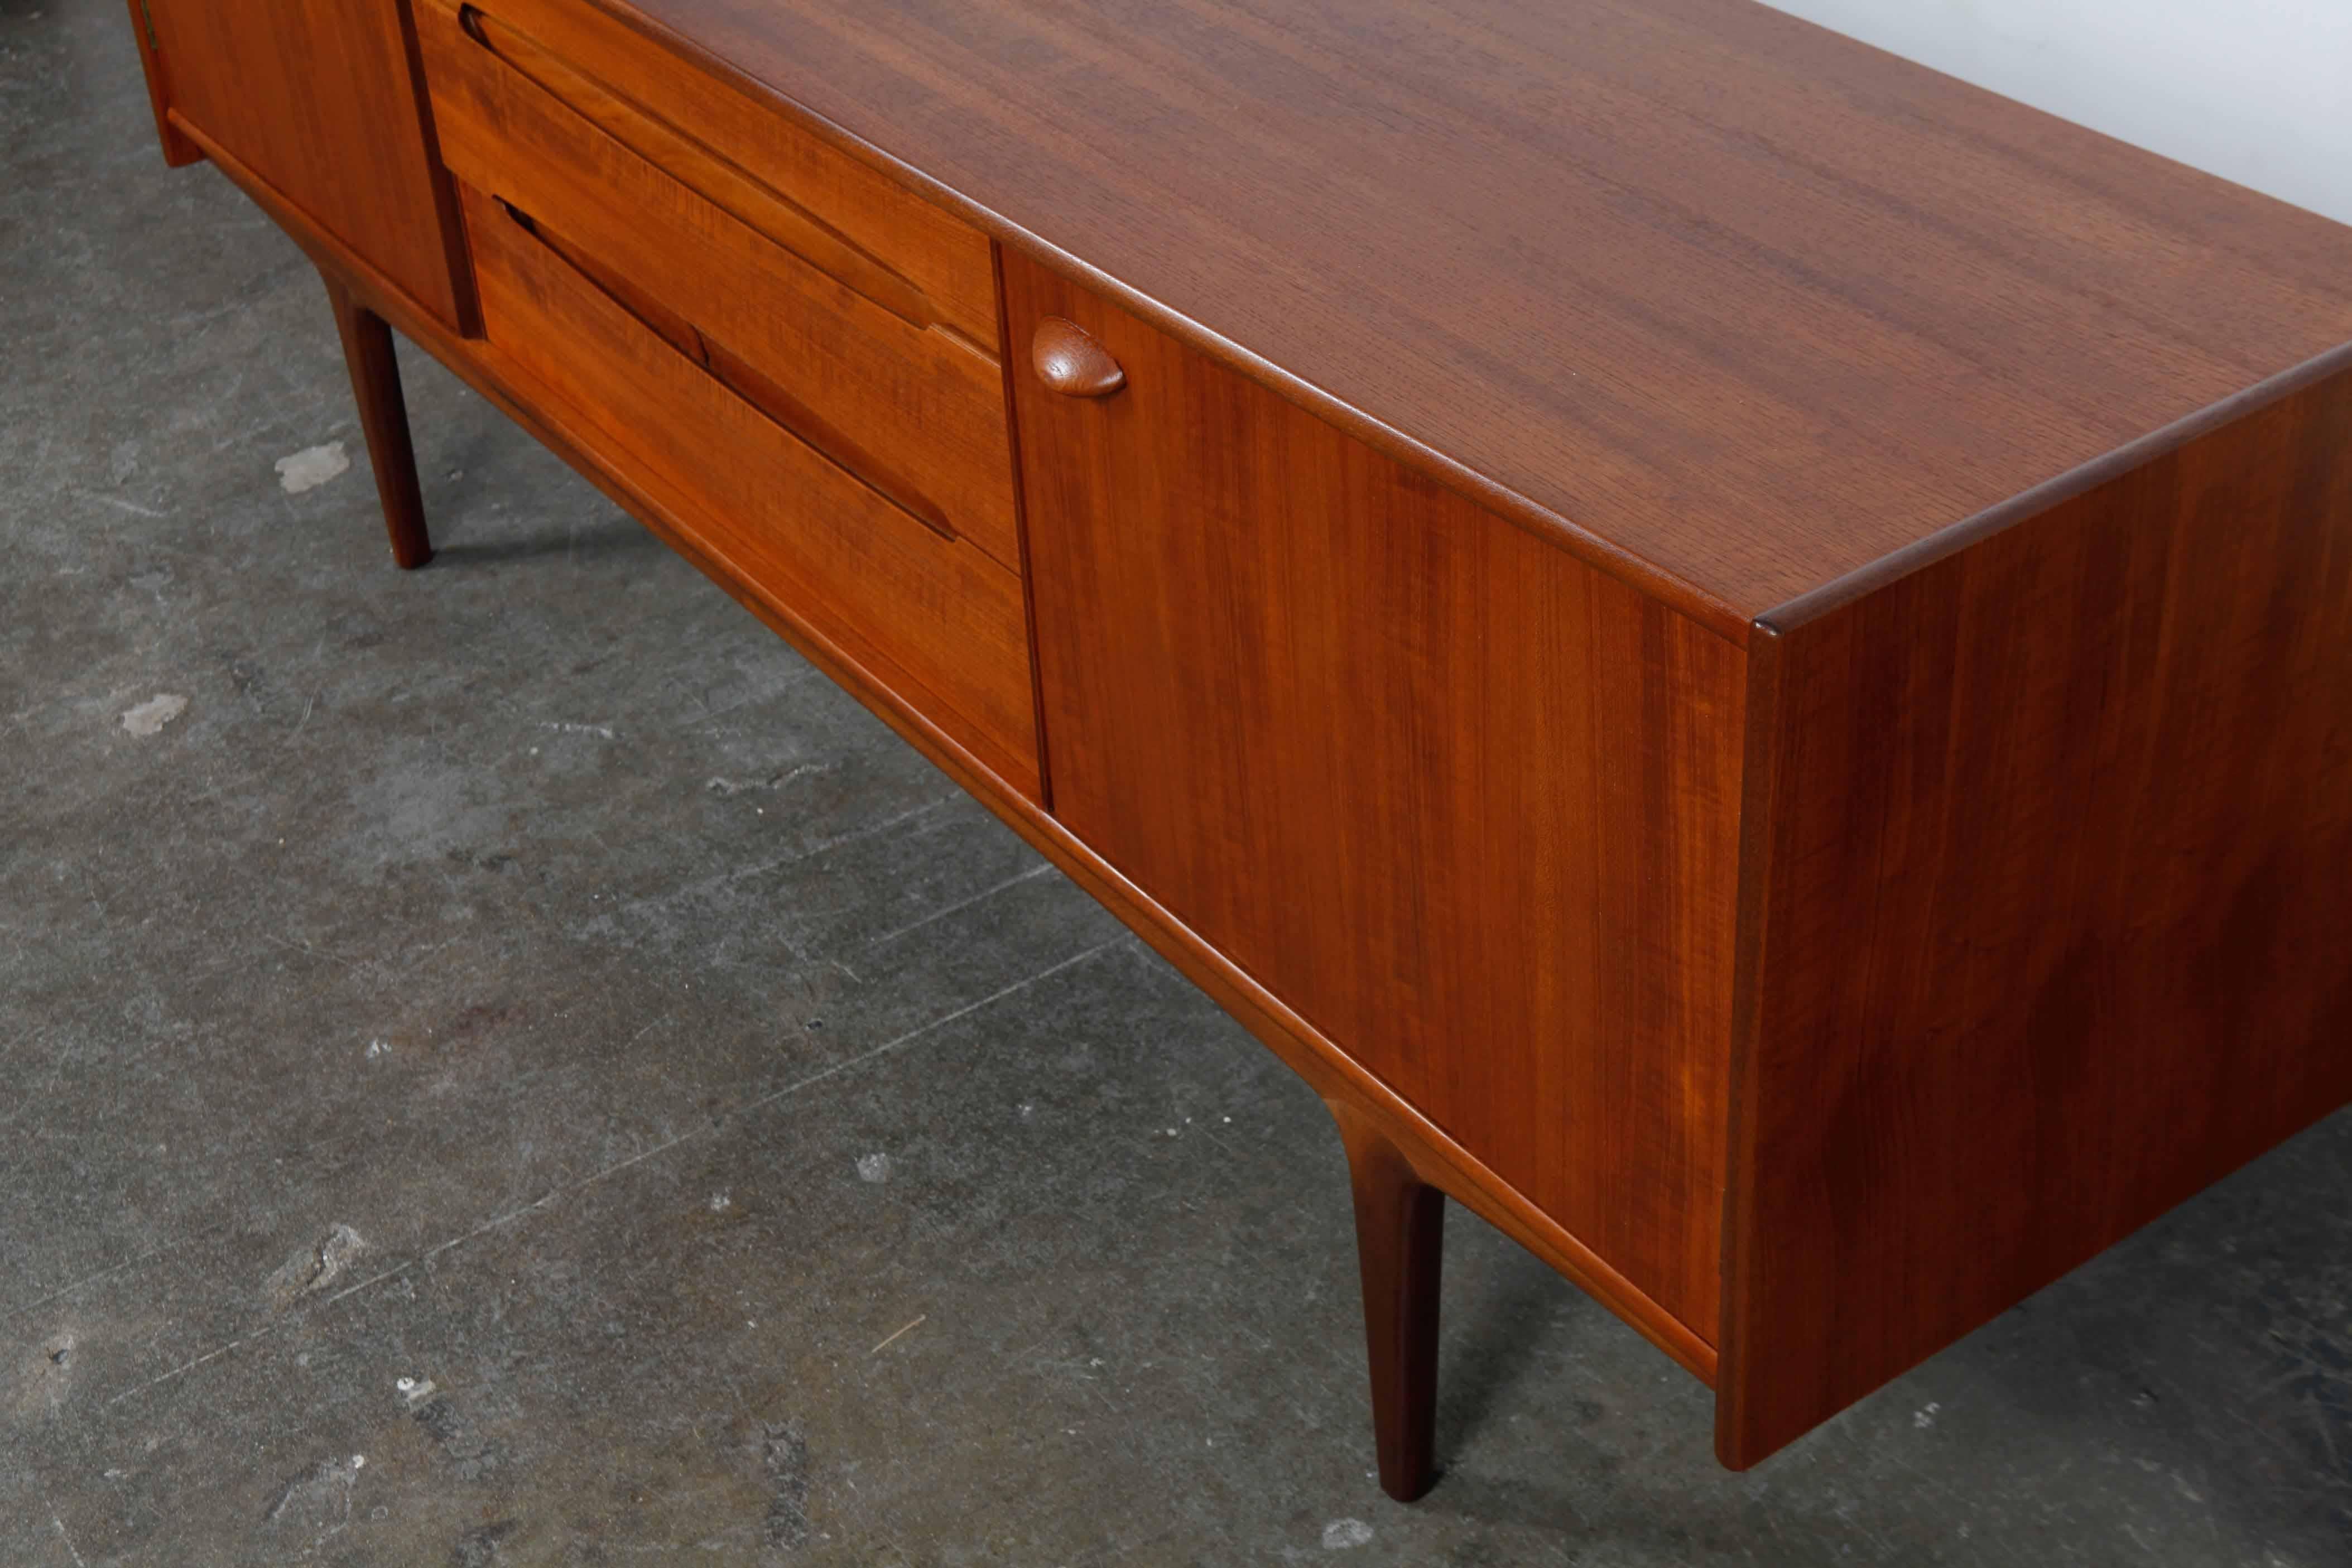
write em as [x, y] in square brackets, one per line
[1464, 804]
[322, 101]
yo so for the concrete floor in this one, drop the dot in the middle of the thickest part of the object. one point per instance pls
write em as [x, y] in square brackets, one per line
[519, 1069]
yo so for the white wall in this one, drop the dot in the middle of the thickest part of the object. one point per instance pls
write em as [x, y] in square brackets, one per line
[2258, 92]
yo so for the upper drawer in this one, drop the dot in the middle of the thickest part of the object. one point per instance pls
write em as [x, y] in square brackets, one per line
[758, 164]
[830, 339]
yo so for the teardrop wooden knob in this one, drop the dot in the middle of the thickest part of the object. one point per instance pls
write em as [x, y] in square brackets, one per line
[1072, 362]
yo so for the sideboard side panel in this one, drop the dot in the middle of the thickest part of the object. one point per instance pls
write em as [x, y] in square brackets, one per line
[2047, 917]
[1466, 804]
[323, 101]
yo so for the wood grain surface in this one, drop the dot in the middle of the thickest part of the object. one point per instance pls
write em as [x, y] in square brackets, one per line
[1466, 805]
[2045, 903]
[321, 99]
[938, 620]
[763, 166]
[1740, 303]
[914, 410]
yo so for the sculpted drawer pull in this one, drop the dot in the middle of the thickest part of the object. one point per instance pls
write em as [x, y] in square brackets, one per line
[1072, 362]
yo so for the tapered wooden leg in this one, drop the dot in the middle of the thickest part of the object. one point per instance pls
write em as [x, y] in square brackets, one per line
[384, 420]
[1400, 1246]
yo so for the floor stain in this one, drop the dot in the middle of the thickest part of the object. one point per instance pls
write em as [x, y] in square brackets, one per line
[478, 1547]
[311, 466]
[315, 1266]
[44, 1376]
[318, 1502]
[150, 717]
[468, 1453]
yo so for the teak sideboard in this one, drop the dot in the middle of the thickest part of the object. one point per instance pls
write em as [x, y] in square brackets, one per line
[1741, 652]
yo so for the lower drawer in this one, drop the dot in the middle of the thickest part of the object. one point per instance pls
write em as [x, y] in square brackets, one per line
[928, 616]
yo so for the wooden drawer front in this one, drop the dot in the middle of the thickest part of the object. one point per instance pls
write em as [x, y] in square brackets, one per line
[759, 163]
[934, 619]
[820, 337]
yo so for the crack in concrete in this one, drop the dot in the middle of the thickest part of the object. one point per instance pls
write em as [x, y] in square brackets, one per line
[1031, 875]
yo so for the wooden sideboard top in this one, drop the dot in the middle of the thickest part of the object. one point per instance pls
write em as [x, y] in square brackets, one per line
[1737, 304]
